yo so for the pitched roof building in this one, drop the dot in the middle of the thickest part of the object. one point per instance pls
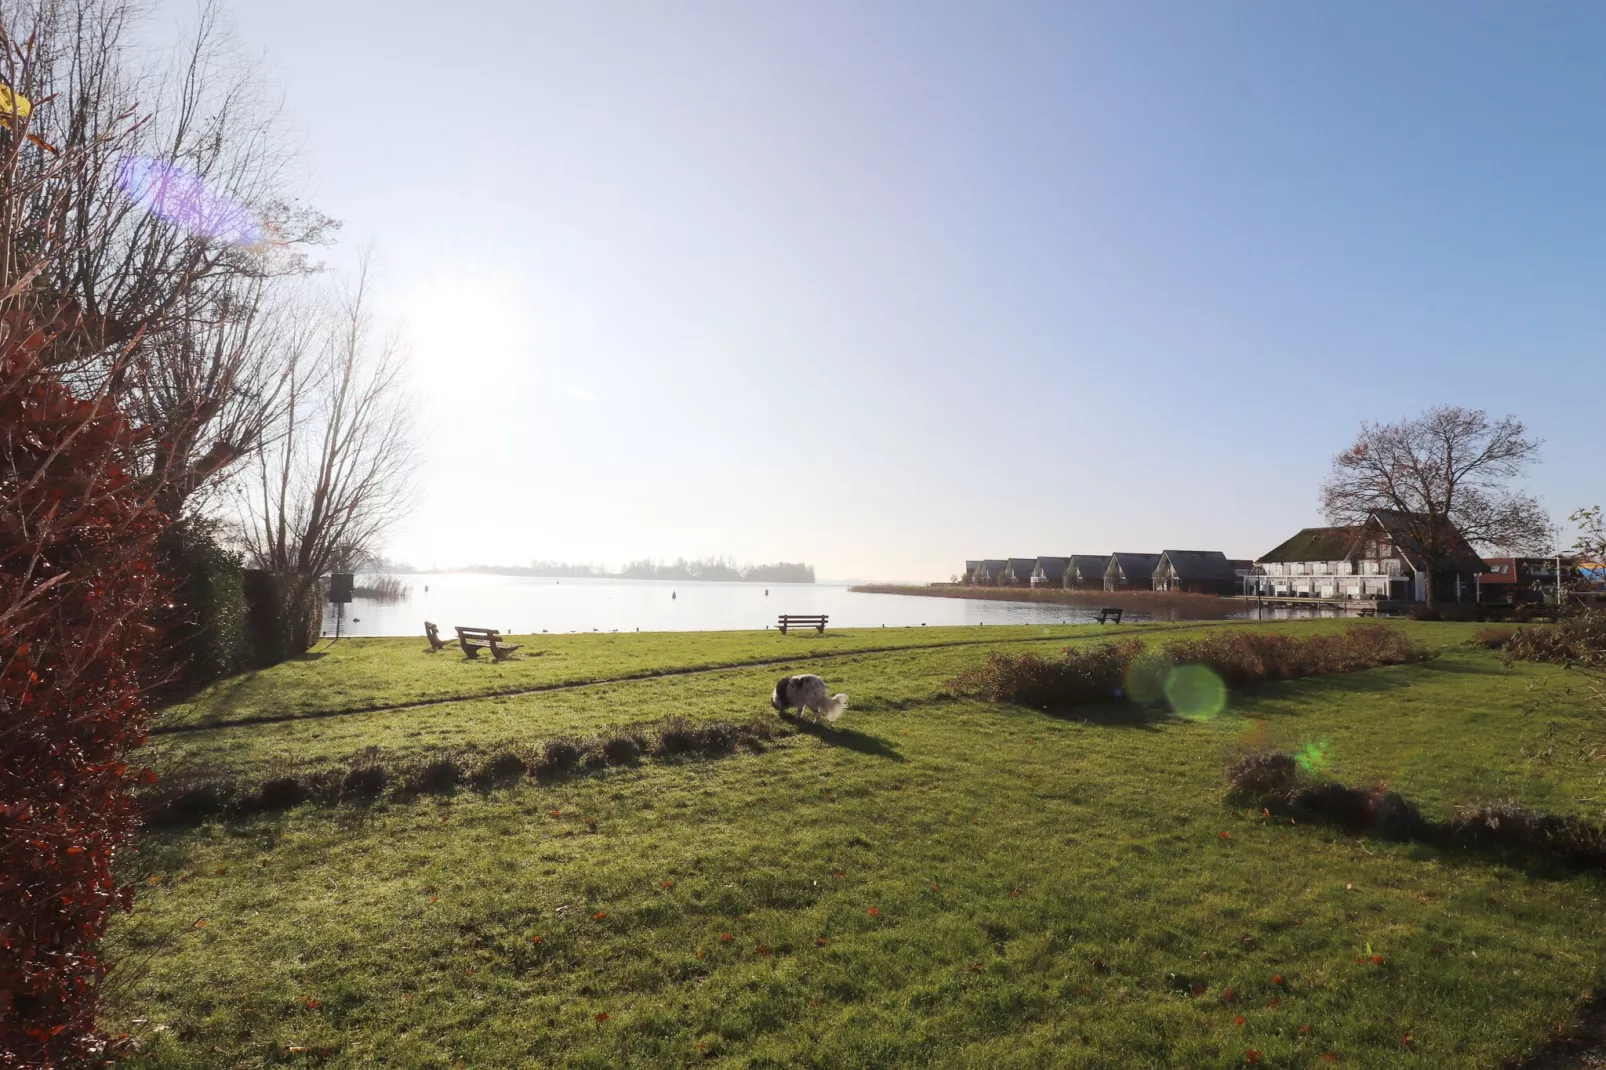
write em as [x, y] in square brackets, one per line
[1379, 559]
[1196, 572]
[1018, 572]
[988, 570]
[1086, 570]
[1127, 572]
[1050, 571]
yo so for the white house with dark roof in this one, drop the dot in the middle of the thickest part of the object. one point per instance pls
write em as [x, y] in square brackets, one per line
[1127, 572]
[1050, 572]
[1376, 560]
[1018, 572]
[1196, 572]
[988, 570]
[1086, 570]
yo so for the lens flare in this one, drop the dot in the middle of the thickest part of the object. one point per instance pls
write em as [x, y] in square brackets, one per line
[1145, 679]
[1195, 692]
[183, 198]
[1312, 757]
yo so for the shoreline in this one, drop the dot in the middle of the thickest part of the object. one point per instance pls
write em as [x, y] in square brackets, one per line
[1174, 605]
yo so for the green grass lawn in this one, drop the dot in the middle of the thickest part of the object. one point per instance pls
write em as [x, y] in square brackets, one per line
[944, 883]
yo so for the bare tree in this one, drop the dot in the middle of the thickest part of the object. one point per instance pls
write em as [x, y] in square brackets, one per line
[338, 471]
[191, 217]
[1448, 473]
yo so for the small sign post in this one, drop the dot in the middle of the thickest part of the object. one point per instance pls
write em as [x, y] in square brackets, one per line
[340, 587]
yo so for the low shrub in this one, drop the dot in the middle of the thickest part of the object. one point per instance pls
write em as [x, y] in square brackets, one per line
[1492, 638]
[623, 749]
[1093, 673]
[1272, 780]
[185, 798]
[1100, 672]
[437, 775]
[1578, 639]
[281, 793]
[557, 757]
[1262, 774]
[364, 781]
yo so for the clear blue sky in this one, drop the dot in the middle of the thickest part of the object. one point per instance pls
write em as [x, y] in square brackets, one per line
[882, 286]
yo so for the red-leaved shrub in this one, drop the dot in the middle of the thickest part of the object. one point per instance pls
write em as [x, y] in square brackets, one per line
[78, 585]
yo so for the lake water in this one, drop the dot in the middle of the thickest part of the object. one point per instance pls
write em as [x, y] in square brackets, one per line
[528, 604]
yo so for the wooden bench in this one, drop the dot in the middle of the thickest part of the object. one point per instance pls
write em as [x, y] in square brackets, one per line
[793, 620]
[473, 640]
[1109, 614]
[433, 634]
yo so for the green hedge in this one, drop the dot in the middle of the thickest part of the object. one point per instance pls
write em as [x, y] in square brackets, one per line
[284, 615]
[206, 624]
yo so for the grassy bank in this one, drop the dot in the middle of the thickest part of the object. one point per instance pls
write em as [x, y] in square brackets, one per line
[943, 882]
[1161, 605]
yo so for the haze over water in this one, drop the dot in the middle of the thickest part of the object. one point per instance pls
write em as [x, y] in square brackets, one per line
[531, 604]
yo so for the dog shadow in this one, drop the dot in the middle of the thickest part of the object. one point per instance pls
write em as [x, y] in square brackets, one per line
[846, 738]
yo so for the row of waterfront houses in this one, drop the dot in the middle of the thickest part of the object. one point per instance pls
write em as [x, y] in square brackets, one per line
[1377, 560]
[1193, 571]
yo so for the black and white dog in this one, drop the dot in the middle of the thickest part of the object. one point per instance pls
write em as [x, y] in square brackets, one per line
[808, 693]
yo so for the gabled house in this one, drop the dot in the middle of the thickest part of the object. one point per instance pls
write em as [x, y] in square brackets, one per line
[1376, 560]
[970, 572]
[1086, 570]
[1018, 572]
[1128, 572]
[1050, 572]
[1196, 572]
[988, 571]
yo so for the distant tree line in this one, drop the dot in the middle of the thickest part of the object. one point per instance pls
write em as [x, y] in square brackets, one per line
[699, 569]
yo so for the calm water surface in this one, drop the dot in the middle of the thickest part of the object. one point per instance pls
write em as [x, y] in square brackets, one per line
[528, 604]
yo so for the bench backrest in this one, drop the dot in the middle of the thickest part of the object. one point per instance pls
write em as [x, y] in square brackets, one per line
[790, 617]
[479, 633]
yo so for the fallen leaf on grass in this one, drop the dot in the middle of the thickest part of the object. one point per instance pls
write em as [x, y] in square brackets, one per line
[874, 912]
[820, 941]
[1277, 979]
[976, 967]
[726, 938]
[603, 1017]
[1239, 1020]
[1252, 1056]
[1200, 990]
[1329, 1057]
[1377, 960]
[1307, 1029]
[1226, 836]
[667, 884]
[764, 949]
[1228, 995]
[935, 888]
[837, 873]
[312, 1004]
[536, 939]
[200, 923]
[599, 915]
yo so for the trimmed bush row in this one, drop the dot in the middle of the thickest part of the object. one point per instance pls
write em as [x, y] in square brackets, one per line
[1100, 672]
[187, 798]
[1273, 781]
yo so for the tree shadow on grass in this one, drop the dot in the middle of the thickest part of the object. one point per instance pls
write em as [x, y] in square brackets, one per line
[846, 738]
